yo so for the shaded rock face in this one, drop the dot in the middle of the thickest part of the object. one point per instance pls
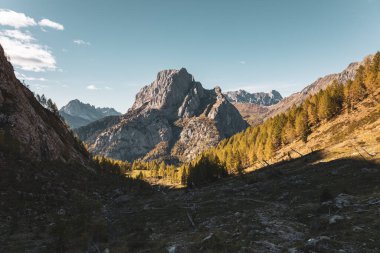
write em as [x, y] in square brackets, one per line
[259, 98]
[174, 118]
[77, 114]
[28, 130]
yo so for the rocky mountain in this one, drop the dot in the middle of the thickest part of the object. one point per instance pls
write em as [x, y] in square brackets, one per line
[259, 98]
[256, 114]
[26, 128]
[78, 114]
[174, 118]
[320, 84]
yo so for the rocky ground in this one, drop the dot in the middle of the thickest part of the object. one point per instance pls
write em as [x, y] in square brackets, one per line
[298, 206]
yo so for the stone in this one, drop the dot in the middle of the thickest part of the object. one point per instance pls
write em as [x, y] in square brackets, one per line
[343, 200]
[172, 249]
[333, 219]
[259, 98]
[316, 240]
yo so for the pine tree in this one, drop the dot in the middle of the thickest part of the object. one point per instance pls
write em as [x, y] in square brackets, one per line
[268, 152]
[302, 126]
[43, 100]
[38, 98]
[372, 80]
[358, 89]
[325, 106]
[288, 133]
[312, 114]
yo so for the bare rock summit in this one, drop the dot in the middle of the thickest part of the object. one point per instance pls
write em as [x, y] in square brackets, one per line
[173, 119]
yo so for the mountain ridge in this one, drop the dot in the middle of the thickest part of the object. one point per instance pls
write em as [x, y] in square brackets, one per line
[27, 128]
[259, 98]
[321, 83]
[77, 113]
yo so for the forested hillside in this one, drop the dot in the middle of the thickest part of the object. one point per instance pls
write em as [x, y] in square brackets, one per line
[259, 144]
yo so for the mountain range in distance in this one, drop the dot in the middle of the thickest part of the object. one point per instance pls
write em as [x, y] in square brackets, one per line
[77, 113]
[258, 98]
[253, 107]
[174, 118]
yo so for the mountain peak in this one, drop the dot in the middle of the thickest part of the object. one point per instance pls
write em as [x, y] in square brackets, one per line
[259, 98]
[165, 93]
[172, 118]
[77, 113]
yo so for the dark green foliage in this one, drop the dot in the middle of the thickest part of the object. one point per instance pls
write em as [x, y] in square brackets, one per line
[207, 169]
[109, 165]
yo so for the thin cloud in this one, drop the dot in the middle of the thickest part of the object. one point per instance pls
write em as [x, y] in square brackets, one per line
[92, 87]
[15, 19]
[40, 86]
[243, 62]
[81, 42]
[17, 34]
[25, 53]
[23, 49]
[21, 76]
[51, 24]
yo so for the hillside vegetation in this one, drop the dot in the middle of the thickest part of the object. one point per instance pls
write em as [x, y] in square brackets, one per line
[259, 144]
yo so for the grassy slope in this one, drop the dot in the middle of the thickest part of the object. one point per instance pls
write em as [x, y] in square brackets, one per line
[348, 135]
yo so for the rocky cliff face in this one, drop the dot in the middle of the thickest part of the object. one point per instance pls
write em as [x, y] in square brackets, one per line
[27, 130]
[78, 114]
[174, 118]
[259, 98]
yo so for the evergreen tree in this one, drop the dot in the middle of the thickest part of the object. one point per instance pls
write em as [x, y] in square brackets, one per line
[38, 98]
[43, 100]
[325, 106]
[288, 133]
[312, 114]
[358, 88]
[302, 126]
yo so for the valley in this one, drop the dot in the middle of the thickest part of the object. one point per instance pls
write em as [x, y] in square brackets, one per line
[183, 171]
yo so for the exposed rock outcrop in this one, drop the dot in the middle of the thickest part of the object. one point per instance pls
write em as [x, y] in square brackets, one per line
[174, 118]
[28, 130]
[259, 98]
[77, 114]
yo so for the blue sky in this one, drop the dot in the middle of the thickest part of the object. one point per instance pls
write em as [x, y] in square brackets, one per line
[103, 52]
